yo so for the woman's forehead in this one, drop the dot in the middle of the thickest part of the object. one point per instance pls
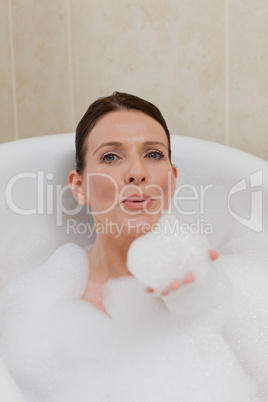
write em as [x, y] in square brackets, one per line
[126, 126]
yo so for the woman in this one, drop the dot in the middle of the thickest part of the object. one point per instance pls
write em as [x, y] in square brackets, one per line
[124, 172]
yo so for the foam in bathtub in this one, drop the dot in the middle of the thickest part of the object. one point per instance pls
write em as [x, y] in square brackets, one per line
[159, 258]
[33, 326]
[60, 348]
[245, 260]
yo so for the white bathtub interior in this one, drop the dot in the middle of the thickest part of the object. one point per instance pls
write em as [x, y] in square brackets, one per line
[220, 190]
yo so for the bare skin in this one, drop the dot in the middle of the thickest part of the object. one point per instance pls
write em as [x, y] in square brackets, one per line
[131, 148]
[93, 294]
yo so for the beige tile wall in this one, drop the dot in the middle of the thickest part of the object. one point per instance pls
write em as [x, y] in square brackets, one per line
[249, 76]
[7, 101]
[204, 63]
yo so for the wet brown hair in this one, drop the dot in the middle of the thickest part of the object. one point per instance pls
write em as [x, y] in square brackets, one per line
[104, 105]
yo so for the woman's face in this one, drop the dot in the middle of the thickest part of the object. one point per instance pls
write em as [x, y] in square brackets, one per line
[128, 179]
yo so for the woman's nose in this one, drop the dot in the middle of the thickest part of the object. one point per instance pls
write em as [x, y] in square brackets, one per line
[136, 173]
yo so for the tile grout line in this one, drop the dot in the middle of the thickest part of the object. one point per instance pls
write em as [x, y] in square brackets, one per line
[71, 65]
[227, 75]
[13, 78]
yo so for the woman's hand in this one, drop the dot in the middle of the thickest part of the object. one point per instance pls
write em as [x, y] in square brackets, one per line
[189, 278]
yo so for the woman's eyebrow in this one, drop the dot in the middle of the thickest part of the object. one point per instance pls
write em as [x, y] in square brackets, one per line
[155, 143]
[120, 145]
[113, 143]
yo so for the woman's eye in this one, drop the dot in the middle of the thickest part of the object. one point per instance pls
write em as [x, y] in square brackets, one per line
[109, 158]
[154, 155]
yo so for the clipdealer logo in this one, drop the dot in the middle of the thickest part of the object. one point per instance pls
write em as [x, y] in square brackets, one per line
[50, 196]
[255, 221]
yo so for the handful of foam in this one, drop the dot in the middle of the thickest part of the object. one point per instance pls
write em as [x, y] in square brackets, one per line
[167, 253]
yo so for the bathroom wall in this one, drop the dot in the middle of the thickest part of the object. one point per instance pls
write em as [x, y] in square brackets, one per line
[204, 63]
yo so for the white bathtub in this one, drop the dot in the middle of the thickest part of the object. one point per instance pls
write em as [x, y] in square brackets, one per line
[218, 186]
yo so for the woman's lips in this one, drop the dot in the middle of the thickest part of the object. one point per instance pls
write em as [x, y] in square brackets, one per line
[135, 201]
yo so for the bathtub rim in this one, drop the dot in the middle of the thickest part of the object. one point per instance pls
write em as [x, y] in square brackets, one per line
[184, 141]
[203, 151]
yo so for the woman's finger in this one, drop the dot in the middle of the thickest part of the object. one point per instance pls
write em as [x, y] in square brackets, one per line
[213, 254]
[189, 278]
[149, 290]
[164, 292]
[175, 285]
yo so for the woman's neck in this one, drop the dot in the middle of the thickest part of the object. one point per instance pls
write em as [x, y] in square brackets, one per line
[107, 258]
